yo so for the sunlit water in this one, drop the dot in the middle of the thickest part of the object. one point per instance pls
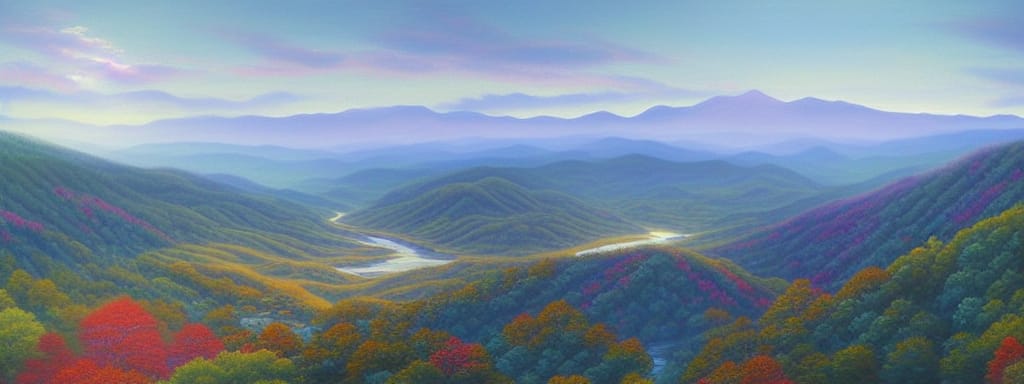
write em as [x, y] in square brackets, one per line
[655, 237]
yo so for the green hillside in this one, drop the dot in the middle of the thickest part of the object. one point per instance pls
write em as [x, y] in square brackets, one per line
[688, 197]
[493, 216]
[936, 314]
[98, 229]
[830, 243]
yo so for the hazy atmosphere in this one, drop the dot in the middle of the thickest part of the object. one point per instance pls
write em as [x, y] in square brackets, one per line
[534, 192]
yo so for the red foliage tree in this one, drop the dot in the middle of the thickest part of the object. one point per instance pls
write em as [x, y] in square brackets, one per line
[763, 370]
[85, 371]
[123, 335]
[55, 355]
[193, 341]
[459, 357]
[1009, 352]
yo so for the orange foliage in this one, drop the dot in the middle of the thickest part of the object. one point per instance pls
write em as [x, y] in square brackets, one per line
[279, 338]
[762, 370]
[1010, 351]
[864, 280]
[86, 371]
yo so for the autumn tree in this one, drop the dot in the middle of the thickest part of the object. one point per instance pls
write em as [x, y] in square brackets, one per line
[279, 338]
[19, 334]
[1009, 352]
[86, 371]
[762, 369]
[192, 341]
[53, 355]
[457, 357]
[123, 335]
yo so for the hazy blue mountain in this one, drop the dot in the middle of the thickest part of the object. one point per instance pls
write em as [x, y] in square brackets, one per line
[752, 118]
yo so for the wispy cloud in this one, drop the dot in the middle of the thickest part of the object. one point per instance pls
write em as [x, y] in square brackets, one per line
[13, 96]
[280, 52]
[1008, 101]
[31, 75]
[83, 57]
[1003, 30]
[474, 45]
[1013, 76]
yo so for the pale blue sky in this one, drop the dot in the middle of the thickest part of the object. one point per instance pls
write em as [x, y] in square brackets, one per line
[133, 62]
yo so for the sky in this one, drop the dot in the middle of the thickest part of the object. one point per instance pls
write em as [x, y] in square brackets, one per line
[131, 62]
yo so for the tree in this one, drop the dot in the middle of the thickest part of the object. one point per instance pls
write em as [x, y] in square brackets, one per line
[419, 372]
[762, 369]
[86, 371]
[574, 379]
[1009, 352]
[853, 365]
[456, 357]
[279, 338]
[192, 341]
[55, 356]
[912, 361]
[6, 301]
[19, 334]
[237, 367]
[122, 334]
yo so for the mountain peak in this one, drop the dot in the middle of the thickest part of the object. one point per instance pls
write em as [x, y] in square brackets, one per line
[754, 95]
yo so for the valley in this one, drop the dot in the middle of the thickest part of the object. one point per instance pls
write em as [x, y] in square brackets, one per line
[610, 259]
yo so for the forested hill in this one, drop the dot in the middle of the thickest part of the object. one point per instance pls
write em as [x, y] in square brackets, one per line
[493, 216]
[659, 295]
[687, 197]
[943, 312]
[831, 243]
[77, 209]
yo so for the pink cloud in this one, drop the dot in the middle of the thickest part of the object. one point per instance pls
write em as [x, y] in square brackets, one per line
[30, 75]
[81, 56]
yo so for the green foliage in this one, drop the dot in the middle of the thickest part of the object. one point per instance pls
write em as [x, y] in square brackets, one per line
[493, 216]
[831, 243]
[237, 367]
[19, 333]
[936, 314]
[691, 196]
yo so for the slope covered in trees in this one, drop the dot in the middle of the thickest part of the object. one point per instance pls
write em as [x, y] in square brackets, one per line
[646, 190]
[830, 243]
[943, 312]
[493, 216]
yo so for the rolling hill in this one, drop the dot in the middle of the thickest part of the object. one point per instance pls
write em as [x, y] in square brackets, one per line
[492, 216]
[658, 294]
[938, 313]
[686, 197]
[830, 243]
[98, 228]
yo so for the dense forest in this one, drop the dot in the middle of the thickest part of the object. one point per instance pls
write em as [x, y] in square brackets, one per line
[111, 273]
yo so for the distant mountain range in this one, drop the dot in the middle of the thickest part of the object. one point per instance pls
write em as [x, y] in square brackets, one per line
[750, 119]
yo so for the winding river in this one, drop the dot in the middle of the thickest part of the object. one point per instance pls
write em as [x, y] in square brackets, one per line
[655, 237]
[406, 257]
